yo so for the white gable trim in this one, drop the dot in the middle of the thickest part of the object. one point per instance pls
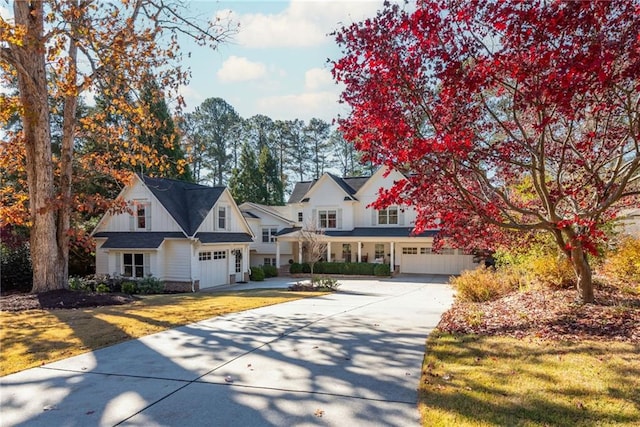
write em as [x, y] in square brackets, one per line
[377, 177]
[325, 176]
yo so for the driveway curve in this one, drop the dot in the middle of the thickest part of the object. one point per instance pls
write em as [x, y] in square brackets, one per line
[349, 358]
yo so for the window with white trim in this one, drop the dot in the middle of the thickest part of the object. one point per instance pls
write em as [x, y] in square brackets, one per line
[134, 265]
[388, 216]
[222, 218]
[141, 216]
[269, 261]
[269, 235]
[300, 216]
[328, 218]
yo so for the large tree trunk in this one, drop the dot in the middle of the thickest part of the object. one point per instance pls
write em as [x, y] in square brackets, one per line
[48, 269]
[583, 272]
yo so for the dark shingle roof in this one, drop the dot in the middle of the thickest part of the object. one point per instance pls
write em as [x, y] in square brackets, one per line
[299, 190]
[136, 240]
[288, 230]
[380, 232]
[224, 237]
[369, 232]
[350, 186]
[186, 202]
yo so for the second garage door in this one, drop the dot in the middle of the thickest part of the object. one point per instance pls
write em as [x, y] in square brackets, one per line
[213, 268]
[420, 260]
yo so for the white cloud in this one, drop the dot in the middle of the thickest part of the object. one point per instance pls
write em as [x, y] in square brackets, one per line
[317, 78]
[305, 106]
[301, 24]
[239, 69]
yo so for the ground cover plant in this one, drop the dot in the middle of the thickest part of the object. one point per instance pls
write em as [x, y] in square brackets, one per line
[33, 337]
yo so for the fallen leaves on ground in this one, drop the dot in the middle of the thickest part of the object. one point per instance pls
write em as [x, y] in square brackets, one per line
[550, 314]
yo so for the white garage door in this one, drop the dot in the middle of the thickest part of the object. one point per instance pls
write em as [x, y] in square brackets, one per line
[422, 261]
[213, 268]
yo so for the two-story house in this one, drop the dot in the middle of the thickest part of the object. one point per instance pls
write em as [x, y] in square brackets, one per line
[352, 230]
[187, 235]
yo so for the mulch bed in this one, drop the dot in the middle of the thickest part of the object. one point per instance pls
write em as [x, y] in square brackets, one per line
[61, 299]
[550, 314]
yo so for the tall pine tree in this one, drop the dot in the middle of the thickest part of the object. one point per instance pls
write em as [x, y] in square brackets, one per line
[164, 139]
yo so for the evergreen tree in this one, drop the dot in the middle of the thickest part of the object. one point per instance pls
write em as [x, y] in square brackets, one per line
[316, 135]
[271, 187]
[210, 134]
[298, 151]
[245, 180]
[164, 139]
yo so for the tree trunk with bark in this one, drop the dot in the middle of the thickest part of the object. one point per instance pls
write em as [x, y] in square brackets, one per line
[583, 272]
[48, 267]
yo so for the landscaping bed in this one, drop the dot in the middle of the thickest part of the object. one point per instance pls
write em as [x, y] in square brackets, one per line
[61, 299]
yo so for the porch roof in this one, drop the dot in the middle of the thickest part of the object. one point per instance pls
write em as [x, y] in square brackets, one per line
[389, 232]
[136, 240]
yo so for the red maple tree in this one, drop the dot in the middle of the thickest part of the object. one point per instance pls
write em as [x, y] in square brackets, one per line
[504, 116]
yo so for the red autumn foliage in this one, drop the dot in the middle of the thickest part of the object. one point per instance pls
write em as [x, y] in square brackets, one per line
[505, 116]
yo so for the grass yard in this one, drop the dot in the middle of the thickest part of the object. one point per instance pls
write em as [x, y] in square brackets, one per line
[473, 380]
[31, 338]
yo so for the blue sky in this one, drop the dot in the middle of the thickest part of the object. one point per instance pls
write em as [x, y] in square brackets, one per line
[276, 64]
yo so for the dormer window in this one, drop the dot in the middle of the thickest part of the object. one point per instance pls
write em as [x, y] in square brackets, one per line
[300, 216]
[388, 216]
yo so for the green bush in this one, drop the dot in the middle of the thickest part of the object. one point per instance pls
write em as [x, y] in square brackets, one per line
[270, 271]
[295, 268]
[150, 285]
[129, 288]
[104, 288]
[15, 269]
[257, 274]
[382, 270]
[306, 268]
[80, 284]
[481, 284]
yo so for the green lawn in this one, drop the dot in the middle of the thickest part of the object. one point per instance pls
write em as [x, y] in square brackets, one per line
[471, 380]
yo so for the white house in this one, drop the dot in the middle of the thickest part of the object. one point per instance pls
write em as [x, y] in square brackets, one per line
[353, 231]
[187, 235]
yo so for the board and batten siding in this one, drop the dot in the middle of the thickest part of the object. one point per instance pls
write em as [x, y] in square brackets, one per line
[102, 258]
[161, 220]
[176, 260]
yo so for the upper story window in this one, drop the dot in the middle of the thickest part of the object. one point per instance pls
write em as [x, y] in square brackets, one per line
[141, 219]
[388, 216]
[300, 216]
[269, 235]
[328, 219]
[222, 218]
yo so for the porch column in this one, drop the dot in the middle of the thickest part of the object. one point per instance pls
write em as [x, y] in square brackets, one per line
[359, 251]
[277, 254]
[328, 251]
[299, 252]
[393, 256]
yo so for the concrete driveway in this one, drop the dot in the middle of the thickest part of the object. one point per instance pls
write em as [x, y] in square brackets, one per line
[350, 358]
